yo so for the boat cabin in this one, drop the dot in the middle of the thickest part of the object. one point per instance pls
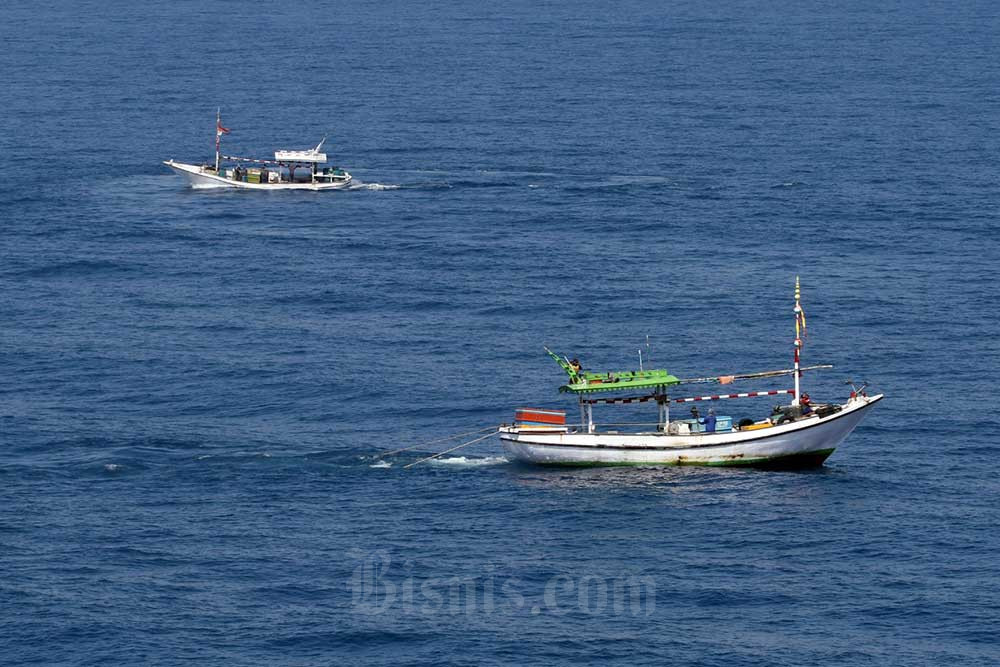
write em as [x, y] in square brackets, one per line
[310, 165]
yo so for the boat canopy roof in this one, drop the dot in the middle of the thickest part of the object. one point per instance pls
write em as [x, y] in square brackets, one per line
[300, 156]
[587, 382]
[311, 155]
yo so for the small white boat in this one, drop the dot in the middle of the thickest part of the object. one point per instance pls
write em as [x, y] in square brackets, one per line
[801, 434]
[289, 170]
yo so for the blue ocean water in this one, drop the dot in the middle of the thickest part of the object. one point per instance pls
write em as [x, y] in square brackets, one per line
[196, 385]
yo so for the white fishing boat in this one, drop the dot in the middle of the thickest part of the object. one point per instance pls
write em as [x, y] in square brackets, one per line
[800, 434]
[289, 170]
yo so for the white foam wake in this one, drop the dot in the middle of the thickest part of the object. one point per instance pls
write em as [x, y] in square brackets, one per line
[465, 461]
[372, 186]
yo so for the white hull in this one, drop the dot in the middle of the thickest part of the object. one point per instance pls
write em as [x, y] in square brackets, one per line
[200, 178]
[804, 442]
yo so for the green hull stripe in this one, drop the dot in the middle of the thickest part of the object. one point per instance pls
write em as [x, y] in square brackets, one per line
[803, 459]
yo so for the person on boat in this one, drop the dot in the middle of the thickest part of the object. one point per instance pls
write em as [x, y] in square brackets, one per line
[710, 421]
[806, 404]
[575, 365]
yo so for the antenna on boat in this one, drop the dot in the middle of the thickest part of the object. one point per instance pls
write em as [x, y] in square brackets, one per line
[319, 145]
[648, 357]
[640, 359]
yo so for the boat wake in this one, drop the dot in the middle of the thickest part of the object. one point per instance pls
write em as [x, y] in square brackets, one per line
[357, 185]
[467, 461]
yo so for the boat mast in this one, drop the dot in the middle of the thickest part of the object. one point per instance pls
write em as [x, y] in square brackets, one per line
[218, 134]
[219, 131]
[799, 319]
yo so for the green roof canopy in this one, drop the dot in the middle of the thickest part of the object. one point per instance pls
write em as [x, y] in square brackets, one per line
[586, 382]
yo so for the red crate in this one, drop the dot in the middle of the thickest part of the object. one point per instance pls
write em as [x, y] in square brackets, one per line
[540, 416]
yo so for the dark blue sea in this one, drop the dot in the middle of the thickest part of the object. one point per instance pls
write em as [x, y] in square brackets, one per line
[196, 387]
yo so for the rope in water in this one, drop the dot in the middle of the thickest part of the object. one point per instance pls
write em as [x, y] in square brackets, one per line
[464, 444]
[434, 442]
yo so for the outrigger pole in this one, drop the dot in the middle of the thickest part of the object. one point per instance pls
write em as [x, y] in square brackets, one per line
[727, 379]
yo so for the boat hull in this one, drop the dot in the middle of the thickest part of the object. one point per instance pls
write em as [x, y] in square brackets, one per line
[803, 443]
[201, 178]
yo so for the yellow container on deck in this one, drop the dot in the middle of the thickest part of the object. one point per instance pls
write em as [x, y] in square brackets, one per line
[758, 425]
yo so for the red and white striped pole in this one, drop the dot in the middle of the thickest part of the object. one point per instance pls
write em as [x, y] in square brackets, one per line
[712, 397]
[749, 394]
